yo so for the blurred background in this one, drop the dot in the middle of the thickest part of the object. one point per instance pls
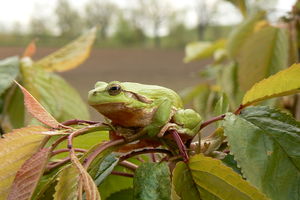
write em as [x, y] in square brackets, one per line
[138, 40]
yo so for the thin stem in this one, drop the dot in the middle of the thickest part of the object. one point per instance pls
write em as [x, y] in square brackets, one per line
[100, 149]
[181, 146]
[144, 151]
[57, 164]
[122, 174]
[153, 157]
[67, 150]
[239, 109]
[206, 123]
[128, 165]
[79, 121]
[58, 141]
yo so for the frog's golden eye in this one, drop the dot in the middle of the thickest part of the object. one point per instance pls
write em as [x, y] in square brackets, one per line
[114, 89]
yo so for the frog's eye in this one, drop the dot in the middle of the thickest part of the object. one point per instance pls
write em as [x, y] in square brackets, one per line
[114, 89]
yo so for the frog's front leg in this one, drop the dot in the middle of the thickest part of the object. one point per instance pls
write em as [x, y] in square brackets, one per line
[161, 117]
[184, 121]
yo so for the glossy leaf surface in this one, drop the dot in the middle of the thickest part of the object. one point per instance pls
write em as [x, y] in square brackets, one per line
[265, 144]
[283, 83]
[214, 180]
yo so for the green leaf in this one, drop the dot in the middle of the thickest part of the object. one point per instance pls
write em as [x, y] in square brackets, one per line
[201, 50]
[222, 105]
[152, 181]
[9, 70]
[114, 183]
[16, 147]
[227, 80]
[123, 194]
[240, 34]
[106, 167]
[263, 54]
[69, 56]
[28, 175]
[16, 109]
[68, 183]
[183, 183]
[265, 144]
[283, 83]
[189, 94]
[230, 162]
[55, 94]
[214, 180]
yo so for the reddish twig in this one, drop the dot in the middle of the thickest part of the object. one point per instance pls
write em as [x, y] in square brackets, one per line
[153, 157]
[181, 146]
[100, 149]
[239, 109]
[57, 164]
[128, 165]
[144, 151]
[122, 174]
[206, 123]
[67, 150]
[58, 141]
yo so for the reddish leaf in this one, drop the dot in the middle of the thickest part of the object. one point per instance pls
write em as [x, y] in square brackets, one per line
[37, 110]
[16, 147]
[28, 176]
[30, 49]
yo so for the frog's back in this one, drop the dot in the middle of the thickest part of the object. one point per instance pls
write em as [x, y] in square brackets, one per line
[154, 92]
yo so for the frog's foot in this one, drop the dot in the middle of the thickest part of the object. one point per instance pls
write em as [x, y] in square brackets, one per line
[165, 128]
[133, 137]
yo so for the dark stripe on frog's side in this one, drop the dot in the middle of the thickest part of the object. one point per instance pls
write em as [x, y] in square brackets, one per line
[121, 115]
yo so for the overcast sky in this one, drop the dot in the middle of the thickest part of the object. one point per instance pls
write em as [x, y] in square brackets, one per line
[21, 11]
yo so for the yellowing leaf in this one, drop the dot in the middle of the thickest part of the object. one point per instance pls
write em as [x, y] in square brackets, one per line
[201, 50]
[29, 175]
[285, 82]
[68, 183]
[89, 186]
[37, 110]
[263, 54]
[71, 55]
[214, 180]
[16, 147]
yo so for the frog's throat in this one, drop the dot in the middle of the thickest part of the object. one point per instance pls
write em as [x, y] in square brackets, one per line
[125, 116]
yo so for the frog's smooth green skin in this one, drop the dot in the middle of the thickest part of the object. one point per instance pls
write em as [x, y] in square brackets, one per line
[153, 108]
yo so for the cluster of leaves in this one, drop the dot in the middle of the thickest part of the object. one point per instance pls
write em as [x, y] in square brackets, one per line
[52, 91]
[264, 142]
[254, 50]
[252, 155]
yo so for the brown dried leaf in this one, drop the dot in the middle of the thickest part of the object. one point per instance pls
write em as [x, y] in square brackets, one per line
[37, 110]
[28, 176]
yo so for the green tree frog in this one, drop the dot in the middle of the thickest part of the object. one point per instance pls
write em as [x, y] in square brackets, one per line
[151, 109]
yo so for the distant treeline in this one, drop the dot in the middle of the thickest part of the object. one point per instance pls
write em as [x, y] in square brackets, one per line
[140, 26]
